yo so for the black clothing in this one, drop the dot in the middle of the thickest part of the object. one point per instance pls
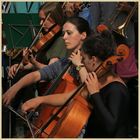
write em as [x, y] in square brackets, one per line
[109, 118]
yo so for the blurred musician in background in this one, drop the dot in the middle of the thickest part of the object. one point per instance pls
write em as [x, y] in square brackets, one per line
[115, 13]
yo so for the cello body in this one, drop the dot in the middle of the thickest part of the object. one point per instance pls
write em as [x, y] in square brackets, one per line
[46, 111]
[73, 120]
[68, 123]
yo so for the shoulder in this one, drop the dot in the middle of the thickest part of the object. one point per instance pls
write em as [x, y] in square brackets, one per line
[115, 84]
[116, 88]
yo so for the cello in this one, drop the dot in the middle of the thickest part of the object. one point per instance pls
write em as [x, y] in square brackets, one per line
[65, 117]
[66, 84]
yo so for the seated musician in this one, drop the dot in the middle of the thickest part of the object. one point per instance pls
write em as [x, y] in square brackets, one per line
[51, 52]
[107, 93]
[80, 9]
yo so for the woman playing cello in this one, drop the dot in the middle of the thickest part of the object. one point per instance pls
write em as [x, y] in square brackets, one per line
[108, 94]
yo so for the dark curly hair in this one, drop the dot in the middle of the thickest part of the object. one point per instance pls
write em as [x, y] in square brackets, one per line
[101, 45]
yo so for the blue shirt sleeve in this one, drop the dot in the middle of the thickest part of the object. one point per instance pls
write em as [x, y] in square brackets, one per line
[50, 72]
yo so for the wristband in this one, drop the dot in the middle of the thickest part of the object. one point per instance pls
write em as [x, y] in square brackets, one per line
[78, 68]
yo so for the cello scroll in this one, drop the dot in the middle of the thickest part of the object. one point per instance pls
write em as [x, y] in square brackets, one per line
[122, 52]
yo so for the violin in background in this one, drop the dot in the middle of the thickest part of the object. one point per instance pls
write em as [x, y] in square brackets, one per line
[73, 8]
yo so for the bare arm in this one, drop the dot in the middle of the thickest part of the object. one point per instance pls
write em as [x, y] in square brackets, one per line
[29, 66]
[13, 69]
[53, 100]
[32, 62]
[39, 65]
[36, 64]
[25, 81]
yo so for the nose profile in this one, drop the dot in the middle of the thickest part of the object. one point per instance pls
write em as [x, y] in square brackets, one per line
[64, 35]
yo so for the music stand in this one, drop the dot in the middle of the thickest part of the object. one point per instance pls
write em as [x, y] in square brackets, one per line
[18, 29]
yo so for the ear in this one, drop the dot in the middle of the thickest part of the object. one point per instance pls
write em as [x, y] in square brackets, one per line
[93, 60]
[83, 35]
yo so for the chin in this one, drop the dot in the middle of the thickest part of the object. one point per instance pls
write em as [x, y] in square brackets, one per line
[68, 47]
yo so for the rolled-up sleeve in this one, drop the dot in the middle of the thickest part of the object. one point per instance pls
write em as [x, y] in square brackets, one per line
[51, 71]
